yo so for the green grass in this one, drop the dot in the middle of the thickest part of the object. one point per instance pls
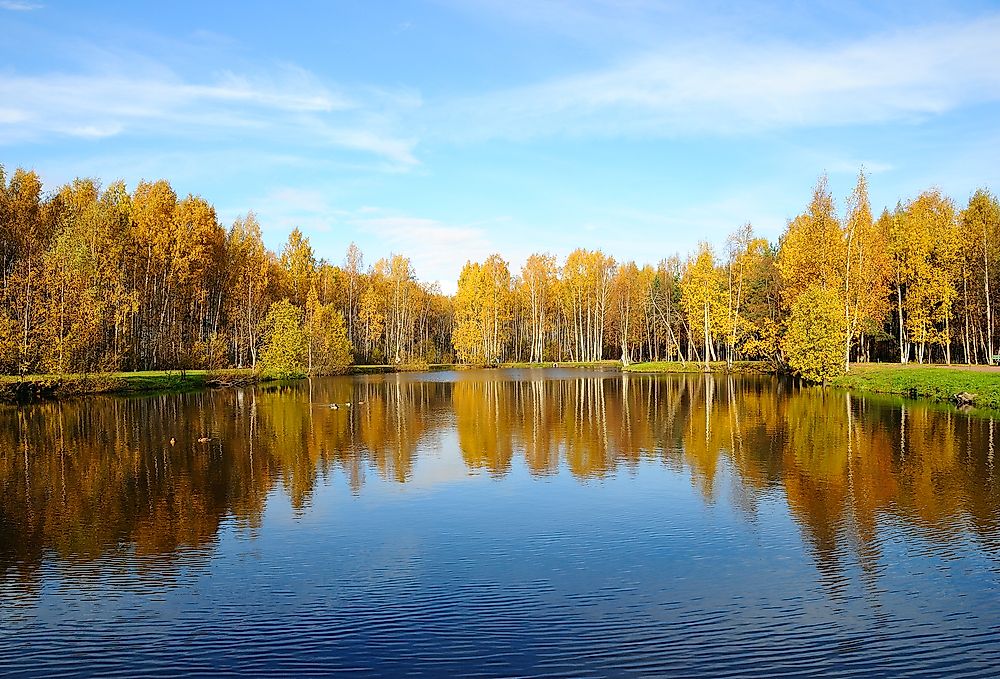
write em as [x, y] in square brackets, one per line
[562, 364]
[694, 367]
[938, 383]
[15, 388]
[24, 388]
[374, 369]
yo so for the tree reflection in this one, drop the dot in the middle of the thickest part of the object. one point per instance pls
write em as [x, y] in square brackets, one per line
[82, 478]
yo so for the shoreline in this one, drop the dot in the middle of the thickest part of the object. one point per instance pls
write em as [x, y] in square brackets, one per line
[692, 367]
[21, 389]
[25, 389]
[935, 383]
[931, 382]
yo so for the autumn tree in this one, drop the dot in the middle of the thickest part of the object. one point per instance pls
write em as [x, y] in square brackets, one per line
[761, 313]
[249, 287]
[703, 299]
[29, 225]
[371, 316]
[812, 248]
[744, 254]
[330, 351]
[95, 278]
[71, 309]
[196, 282]
[866, 269]
[629, 292]
[401, 303]
[813, 344]
[353, 265]
[482, 311]
[924, 249]
[153, 205]
[299, 264]
[585, 289]
[664, 322]
[981, 225]
[536, 287]
[286, 343]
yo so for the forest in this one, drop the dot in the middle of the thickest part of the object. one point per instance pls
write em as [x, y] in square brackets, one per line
[101, 279]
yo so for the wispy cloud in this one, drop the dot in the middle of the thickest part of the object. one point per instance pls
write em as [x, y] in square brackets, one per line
[312, 210]
[19, 5]
[438, 250]
[119, 96]
[729, 87]
[599, 23]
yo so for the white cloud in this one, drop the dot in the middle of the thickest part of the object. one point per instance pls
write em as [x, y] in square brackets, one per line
[9, 116]
[310, 209]
[729, 87]
[19, 5]
[122, 96]
[438, 250]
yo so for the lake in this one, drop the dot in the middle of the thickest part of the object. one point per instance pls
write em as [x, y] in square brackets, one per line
[497, 523]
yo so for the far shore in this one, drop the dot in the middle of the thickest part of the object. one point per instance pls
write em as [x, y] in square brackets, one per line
[979, 384]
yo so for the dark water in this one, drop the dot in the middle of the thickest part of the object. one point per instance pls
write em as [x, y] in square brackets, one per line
[556, 523]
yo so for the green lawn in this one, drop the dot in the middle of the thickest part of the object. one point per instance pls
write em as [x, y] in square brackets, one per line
[695, 367]
[935, 382]
[141, 374]
[563, 364]
[30, 387]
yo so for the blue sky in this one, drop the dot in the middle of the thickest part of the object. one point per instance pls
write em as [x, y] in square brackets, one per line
[449, 130]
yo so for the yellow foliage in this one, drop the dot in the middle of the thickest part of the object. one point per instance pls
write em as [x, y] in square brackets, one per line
[285, 342]
[703, 297]
[813, 343]
[483, 311]
[812, 249]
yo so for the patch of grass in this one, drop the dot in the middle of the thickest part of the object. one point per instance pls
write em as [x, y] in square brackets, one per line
[418, 366]
[938, 383]
[562, 364]
[22, 388]
[695, 367]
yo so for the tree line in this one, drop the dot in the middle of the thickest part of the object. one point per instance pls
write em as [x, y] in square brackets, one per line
[917, 283]
[102, 279]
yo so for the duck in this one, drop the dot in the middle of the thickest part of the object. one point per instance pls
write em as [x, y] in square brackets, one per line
[172, 440]
[334, 406]
[204, 439]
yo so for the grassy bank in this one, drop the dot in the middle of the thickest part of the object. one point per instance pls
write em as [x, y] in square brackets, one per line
[755, 367]
[400, 368]
[565, 364]
[23, 388]
[412, 367]
[937, 382]
[27, 388]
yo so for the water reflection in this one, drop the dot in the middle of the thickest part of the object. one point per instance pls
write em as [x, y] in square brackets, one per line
[85, 479]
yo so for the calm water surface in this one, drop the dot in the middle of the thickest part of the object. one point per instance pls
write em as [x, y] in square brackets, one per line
[544, 522]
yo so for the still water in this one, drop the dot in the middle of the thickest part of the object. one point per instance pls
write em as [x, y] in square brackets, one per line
[535, 522]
